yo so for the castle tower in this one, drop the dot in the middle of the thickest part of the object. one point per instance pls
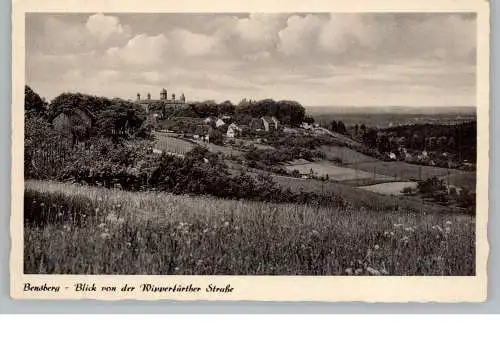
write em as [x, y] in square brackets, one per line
[149, 96]
[173, 97]
[138, 96]
[182, 98]
[163, 94]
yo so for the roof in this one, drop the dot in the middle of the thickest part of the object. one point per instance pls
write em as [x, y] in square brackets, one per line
[72, 112]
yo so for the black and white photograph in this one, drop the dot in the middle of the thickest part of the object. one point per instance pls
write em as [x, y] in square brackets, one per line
[250, 144]
[250, 152]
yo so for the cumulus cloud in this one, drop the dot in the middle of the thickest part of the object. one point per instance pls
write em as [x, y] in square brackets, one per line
[192, 44]
[105, 27]
[299, 36]
[343, 32]
[141, 50]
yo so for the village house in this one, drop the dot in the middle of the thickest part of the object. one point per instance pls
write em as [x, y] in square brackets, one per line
[75, 124]
[233, 130]
[219, 123]
[269, 123]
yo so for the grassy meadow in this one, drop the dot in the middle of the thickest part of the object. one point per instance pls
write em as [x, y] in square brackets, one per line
[73, 229]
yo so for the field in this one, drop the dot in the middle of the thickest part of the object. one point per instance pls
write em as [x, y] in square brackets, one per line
[465, 180]
[345, 155]
[403, 170]
[214, 148]
[359, 198]
[72, 229]
[336, 173]
[172, 144]
[390, 188]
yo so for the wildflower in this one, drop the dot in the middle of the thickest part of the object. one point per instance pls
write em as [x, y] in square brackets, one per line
[42, 204]
[392, 233]
[439, 228]
[409, 229]
[398, 225]
[96, 210]
[448, 230]
[102, 225]
[405, 239]
[358, 272]
[176, 268]
[314, 233]
[83, 215]
[349, 271]
[386, 233]
[384, 271]
[66, 227]
[373, 271]
[60, 214]
[448, 223]
[128, 244]
[226, 223]
[376, 247]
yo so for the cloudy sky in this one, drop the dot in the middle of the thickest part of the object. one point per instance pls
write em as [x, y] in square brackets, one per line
[317, 59]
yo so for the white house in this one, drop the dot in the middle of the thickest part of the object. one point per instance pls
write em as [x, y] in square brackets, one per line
[276, 122]
[219, 123]
[266, 123]
[232, 130]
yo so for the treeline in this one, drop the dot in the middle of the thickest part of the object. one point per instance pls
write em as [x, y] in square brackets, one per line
[287, 112]
[458, 139]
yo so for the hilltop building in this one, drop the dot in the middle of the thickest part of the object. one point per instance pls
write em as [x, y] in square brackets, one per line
[181, 101]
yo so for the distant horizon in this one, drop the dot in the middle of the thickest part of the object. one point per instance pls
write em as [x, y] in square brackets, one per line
[291, 99]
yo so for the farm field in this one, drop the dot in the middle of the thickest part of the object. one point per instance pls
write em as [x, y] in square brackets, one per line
[214, 148]
[171, 144]
[358, 198]
[335, 172]
[403, 170]
[346, 155]
[73, 229]
[390, 188]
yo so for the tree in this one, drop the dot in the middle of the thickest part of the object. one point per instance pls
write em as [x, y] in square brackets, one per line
[226, 108]
[309, 119]
[341, 128]
[370, 138]
[334, 126]
[33, 103]
[363, 129]
[215, 136]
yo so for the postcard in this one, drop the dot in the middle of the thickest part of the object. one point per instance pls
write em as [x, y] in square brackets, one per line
[329, 151]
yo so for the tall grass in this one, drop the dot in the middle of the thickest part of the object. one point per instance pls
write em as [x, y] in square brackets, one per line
[71, 229]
